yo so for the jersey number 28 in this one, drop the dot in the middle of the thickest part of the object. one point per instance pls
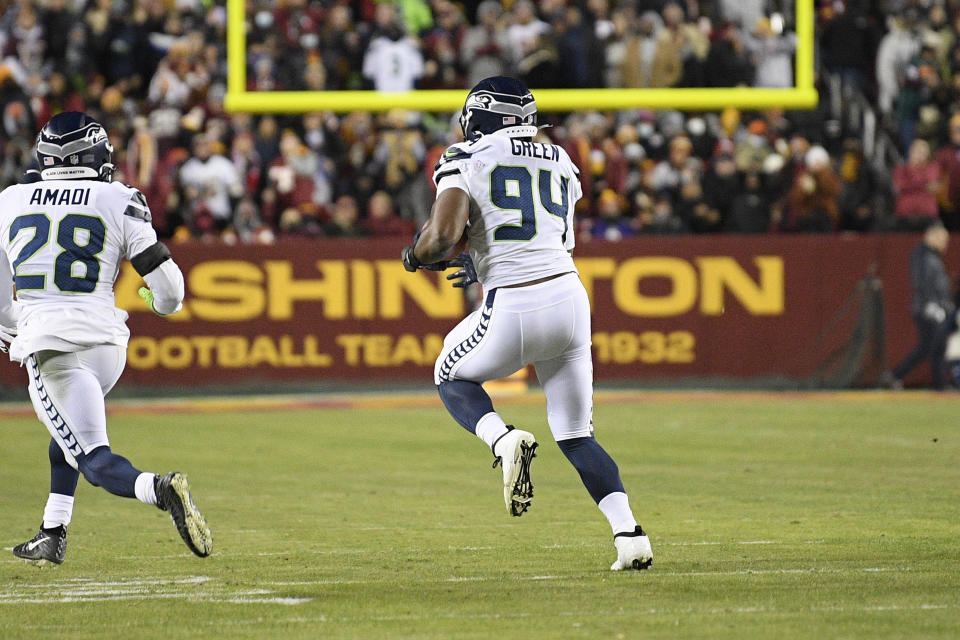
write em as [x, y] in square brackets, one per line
[73, 251]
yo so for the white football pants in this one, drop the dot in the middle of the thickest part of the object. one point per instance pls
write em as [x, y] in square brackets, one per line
[67, 390]
[546, 324]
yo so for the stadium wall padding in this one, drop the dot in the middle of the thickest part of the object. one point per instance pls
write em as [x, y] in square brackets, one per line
[665, 309]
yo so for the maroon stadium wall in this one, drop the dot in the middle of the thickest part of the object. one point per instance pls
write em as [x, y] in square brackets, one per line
[664, 309]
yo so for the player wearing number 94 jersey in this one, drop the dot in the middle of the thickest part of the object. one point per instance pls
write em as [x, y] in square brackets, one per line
[63, 235]
[514, 198]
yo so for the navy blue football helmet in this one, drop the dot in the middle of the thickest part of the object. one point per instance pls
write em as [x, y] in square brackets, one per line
[499, 104]
[71, 146]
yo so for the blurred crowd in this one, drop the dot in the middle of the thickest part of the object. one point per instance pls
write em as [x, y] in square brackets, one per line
[154, 72]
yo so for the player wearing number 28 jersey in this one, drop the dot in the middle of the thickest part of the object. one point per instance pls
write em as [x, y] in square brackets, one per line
[63, 235]
[514, 198]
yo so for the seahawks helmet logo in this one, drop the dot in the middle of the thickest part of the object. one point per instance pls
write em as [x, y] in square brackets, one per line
[479, 100]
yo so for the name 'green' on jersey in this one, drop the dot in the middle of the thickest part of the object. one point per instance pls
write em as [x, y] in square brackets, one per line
[63, 241]
[522, 201]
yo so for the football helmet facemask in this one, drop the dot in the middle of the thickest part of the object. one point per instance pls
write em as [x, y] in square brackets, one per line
[71, 146]
[499, 104]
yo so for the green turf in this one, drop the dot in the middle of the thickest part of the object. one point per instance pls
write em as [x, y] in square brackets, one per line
[778, 517]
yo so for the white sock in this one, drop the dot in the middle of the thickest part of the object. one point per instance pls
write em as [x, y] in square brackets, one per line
[616, 507]
[143, 488]
[490, 427]
[59, 511]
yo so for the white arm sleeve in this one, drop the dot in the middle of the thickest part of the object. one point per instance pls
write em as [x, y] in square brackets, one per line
[166, 283]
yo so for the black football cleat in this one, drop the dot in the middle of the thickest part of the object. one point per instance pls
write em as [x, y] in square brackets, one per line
[173, 496]
[48, 546]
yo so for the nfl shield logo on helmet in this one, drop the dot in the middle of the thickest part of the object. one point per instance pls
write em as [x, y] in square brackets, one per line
[74, 159]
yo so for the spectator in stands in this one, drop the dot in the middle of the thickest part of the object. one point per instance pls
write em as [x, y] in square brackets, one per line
[341, 48]
[948, 159]
[771, 55]
[812, 200]
[398, 158]
[524, 31]
[742, 12]
[931, 306]
[611, 224]
[727, 63]
[382, 219]
[292, 176]
[916, 183]
[210, 182]
[651, 55]
[896, 49]
[392, 61]
[443, 68]
[581, 53]
[861, 193]
[680, 165]
[485, 48]
[846, 41]
[345, 219]
[696, 211]
[721, 184]
[658, 216]
[750, 209]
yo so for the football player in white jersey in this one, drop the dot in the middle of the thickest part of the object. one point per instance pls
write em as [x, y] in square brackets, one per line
[63, 235]
[514, 199]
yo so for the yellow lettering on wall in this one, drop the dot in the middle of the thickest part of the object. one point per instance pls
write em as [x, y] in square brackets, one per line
[330, 288]
[362, 289]
[226, 290]
[683, 283]
[406, 350]
[142, 353]
[232, 352]
[351, 343]
[312, 356]
[263, 351]
[437, 299]
[591, 269]
[721, 273]
[376, 351]
[175, 353]
[204, 346]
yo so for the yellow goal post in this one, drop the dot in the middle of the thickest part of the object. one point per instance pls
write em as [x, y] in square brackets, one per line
[803, 95]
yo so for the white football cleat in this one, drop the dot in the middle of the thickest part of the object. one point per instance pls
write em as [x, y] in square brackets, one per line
[514, 452]
[633, 550]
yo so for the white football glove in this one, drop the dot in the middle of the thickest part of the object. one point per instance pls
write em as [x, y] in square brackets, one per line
[935, 312]
[6, 337]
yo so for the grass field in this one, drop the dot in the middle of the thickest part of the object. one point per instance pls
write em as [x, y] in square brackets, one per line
[771, 516]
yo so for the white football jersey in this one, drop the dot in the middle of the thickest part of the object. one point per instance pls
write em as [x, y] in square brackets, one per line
[523, 196]
[63, 241]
